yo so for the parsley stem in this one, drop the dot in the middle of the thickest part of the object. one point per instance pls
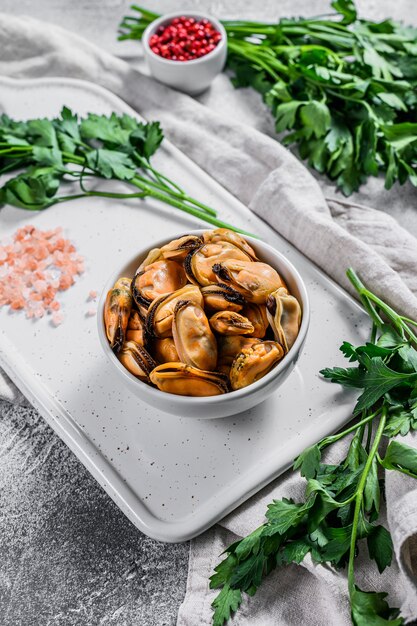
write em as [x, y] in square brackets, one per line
[332, 438]
[359, 498]
[180, 195]
[150, 191]
[368, 298]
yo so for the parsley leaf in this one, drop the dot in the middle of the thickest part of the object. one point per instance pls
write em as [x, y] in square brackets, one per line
[371, 609]
[225, 604]
[378, 380]
[308, 462]
[46, 155]
[380, 547]
[342, 500]
[342, 90]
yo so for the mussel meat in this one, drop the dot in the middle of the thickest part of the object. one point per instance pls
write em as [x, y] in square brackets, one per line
[160, 312]
[194, 340]
[231, 323]
[137, 360]
[157, 279]
[284, 315]
[254, 280]
[117, 310]
[164, 350]
[179, 248]
[152, 256]
[222, 298]
[256, 314]
[229, 346]
[224, 234]
[184, 380]
[254, 362]
[136, 329]
[199, 263]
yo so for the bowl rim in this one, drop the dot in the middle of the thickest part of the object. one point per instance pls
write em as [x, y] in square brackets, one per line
[237, 394]
[151, 28]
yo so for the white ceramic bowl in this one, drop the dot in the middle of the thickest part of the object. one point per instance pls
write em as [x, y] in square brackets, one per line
[193, 76]
[234, 401]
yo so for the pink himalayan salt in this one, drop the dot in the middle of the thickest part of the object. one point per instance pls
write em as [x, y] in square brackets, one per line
[91, 312]
[34, 266]
[57, 318]
[92, 295]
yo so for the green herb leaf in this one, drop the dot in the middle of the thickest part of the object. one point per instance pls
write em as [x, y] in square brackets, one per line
[349, 377]
[248, 573]
[378, 380]
[347, 9]
[372, 491]
[283, 514]
[111, 164]
[147, 138]
[308, 462]
[380, 547]
[225, 604]
[35, 190]
[285, 115]
[371, 609]
[399, 455]
[400, 422]
[48, 155]
[224, 571]
[316, 119]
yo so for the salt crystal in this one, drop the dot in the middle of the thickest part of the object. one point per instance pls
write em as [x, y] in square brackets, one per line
[40, 285]
[30, 273]
[92, 295]
[91, 312]
[57, 318]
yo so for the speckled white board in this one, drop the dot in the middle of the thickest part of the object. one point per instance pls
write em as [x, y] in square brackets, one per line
[173, 477]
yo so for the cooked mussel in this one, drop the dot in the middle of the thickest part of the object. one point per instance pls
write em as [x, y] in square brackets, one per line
[221, 297]
[160, 312]
[137, 360]
[229, 346]
[157, 279]
[256, 314]
[199, 263]
[164, 350]
[153, 255]
[184, 380]
[254, 362]
[231, 323]
[117, 310]
[195, 318]
[179, 248]
[224, 234]
[284, 315]
[136, 329]
[194, 340]
[254, 280]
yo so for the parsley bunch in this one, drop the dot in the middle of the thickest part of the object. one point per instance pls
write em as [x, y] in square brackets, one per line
[339, 514]
[49, 154]
[342, 89]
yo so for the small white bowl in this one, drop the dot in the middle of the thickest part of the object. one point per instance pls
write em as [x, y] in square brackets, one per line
[193, 76]
[234, 401]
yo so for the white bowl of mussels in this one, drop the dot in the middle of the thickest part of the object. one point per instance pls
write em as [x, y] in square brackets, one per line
[204, 324]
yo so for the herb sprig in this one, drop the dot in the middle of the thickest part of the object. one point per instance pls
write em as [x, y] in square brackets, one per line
[342, 89]
[48, 154]
[339, 514]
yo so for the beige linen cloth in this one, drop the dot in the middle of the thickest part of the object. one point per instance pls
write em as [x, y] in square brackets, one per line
[334, 234]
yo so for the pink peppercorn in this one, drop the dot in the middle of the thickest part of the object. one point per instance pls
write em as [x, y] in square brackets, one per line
[185, 39]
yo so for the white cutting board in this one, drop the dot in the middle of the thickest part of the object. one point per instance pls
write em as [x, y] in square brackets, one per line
[173, 477]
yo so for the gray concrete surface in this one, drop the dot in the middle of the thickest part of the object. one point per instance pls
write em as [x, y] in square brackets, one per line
[69, 557]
